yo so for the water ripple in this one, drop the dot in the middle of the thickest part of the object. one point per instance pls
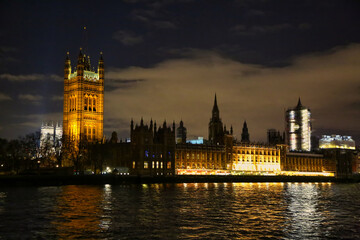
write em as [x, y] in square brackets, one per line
[182, 211]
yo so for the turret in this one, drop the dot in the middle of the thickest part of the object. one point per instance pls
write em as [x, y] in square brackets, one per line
[67, 67]
[245, 137]
[101, 68]
[80, 64]
[215, 110]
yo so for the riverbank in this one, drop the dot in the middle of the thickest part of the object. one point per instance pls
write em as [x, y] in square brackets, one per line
[50, 180]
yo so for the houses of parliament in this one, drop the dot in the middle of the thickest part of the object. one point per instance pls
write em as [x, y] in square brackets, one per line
[163, 149]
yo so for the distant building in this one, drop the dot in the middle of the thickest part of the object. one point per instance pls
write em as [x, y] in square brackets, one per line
[298, 128]
[274, 137]
[216, 131]
[50, 135]
[181, 133]
[198, 140]
[152, 149]
[337, 141]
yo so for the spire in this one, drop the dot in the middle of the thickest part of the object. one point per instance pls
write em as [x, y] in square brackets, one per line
[299, 105]
[67, 56]
[245, 137]
[215, 110]
[215, 104]
[101, 56]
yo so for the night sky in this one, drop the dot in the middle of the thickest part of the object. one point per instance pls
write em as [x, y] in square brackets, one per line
[167, 59]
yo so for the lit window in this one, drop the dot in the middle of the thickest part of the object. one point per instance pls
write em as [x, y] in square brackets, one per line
[146, 165]
[134, 164]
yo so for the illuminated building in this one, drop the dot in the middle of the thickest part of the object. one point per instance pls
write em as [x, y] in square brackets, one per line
[302, 162]
[181, 133]
[50, 134]
[298, 128]
[200, 159]
[83, 100]
[198, 140]
[256, 158]
[336, 141]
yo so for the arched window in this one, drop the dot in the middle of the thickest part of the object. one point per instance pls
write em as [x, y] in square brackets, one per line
[85, 103]
[94, 105]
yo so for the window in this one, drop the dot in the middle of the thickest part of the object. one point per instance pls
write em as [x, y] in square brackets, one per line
[134, 164]
[168, 165]
[161, 165]
[86, 103]
[146, 165]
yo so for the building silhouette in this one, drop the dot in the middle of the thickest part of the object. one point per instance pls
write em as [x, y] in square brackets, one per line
[274, 137]
[298, 128]
[83, 113]
[245, 136]
[216, 131]
[181, 133]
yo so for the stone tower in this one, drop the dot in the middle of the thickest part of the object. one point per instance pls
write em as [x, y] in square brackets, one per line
[245, 137]
[83, 100]
[181, 133]
[216, 131]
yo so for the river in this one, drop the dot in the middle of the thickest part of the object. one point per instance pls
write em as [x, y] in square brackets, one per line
[182, 211]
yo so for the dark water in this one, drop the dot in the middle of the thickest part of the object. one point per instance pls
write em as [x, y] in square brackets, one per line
[182, 211]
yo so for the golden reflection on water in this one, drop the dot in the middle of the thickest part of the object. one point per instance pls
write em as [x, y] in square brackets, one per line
[79, 210]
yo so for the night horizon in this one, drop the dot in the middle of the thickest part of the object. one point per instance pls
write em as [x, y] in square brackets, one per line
[165, 62]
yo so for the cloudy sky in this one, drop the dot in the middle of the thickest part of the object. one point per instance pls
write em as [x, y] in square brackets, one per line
[165, 60]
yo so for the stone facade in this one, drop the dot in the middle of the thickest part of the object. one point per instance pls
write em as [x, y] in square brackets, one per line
[83, 113]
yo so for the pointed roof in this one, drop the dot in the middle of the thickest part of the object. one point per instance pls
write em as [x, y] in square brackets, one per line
[299, 105]
[215, 108]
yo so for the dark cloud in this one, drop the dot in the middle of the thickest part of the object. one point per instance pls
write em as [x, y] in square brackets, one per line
[127, 38]
[259, 29]
[30, 98]
[29, 77]
[4, 97]
[57, 98]
[184, 88]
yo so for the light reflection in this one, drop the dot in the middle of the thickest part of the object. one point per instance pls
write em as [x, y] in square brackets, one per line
[106, 221]
[81, 207]
[303, 217]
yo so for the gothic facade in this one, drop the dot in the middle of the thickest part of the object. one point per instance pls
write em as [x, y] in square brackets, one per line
[83, 113]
